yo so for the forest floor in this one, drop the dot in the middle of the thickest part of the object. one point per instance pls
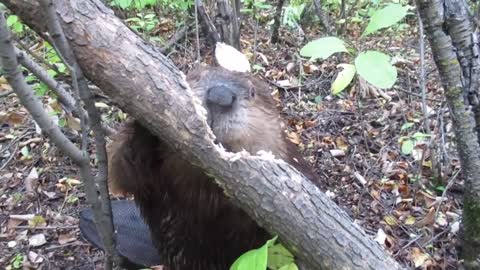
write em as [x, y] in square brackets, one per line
[410, 203]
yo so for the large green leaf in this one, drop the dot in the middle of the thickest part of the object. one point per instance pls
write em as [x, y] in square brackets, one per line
[344, 78]
[290, 266]
[279, 256]
[255, 259]
[322, 48]
[386, 17]
[375, 68]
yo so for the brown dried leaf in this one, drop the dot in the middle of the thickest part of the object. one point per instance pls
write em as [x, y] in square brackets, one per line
[341, 143]
[12, 118]
[390, 220]
[418, 257]
[66, 238]
[428, 220]
[294, 137]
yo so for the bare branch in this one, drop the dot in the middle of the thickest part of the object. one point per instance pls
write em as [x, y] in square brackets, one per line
[66, 99]
[176, 37]
[101, 204]
[63, 96]
[28, 99]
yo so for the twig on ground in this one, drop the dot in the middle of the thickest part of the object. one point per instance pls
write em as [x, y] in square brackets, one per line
[6, 93]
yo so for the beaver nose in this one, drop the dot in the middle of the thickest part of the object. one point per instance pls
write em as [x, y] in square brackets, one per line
[221, 96]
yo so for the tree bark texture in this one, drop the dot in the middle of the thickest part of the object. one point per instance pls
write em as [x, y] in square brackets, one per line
[276, 21]
[229, 23]
[145, 84]
[441, 27]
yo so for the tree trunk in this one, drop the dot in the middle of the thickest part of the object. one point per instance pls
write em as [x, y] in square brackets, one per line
[276, 21]
[144, 83]
[229, 22]
[444, 22]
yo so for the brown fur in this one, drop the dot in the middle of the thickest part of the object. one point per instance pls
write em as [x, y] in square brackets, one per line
[194, 225]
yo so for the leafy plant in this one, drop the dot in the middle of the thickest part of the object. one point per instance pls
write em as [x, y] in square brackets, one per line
[133, 4]
[14, 23]
[17, 261]
[175, 5]
[292, 14]
[408, 142]
[386, 17]
[71, 199]
[18, 197]
[274, 257]
[143, 23]
[254, 7]
[373, 66]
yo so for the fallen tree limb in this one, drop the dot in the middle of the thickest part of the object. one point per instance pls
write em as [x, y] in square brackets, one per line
[145, 84]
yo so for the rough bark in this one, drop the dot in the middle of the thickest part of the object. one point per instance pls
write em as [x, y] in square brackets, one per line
[276, 22]
[207, 24]
[140, 80]
[442, 24]
[229, 22]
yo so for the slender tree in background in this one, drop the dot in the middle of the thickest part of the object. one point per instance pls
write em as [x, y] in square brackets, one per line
[155, 93]
[455, 49]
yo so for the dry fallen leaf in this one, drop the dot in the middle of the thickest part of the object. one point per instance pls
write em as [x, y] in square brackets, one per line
[410, 220]
[12, 118]
[337, 153]
[428, 220]
[341, 143]
[381, 236]
[34, 257]
[37, 240]
[31, 182]
[390, 220]
[66, 238]
[418, 257]
[293, 137]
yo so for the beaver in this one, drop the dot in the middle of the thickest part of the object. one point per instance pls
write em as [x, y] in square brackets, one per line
[192, 222]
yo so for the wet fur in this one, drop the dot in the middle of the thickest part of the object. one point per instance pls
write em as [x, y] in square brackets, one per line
[193, 224]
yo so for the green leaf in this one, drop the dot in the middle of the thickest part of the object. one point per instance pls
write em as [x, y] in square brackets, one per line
[279, 256]
[291, 266]
[375, 68]
[318, 99]
[61, 67]
[420, 136]
[255, 259]
[407, 147]
[323, 48]
[17, 28]
[41, 89]
[11, 20]
[385, 17]
[25, 151]
[123, 4]
[440, 188]
[62, 122]
[257, 67]
[407, 125]
[343, 78]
